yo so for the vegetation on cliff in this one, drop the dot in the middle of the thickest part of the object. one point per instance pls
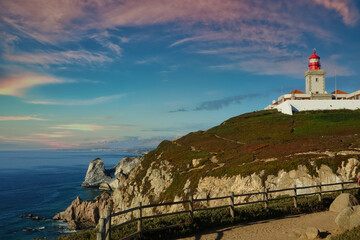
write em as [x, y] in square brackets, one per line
[253, 142]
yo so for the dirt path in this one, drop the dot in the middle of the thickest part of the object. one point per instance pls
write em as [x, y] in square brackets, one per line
[277, 229]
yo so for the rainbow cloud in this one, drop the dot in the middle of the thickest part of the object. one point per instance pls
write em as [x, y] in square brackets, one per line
[17, 118]
[80, 127]
[16, 85]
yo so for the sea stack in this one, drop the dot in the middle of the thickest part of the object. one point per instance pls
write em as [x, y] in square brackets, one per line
[96, 174]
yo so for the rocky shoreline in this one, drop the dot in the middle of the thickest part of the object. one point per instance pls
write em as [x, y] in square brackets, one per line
[86, 214]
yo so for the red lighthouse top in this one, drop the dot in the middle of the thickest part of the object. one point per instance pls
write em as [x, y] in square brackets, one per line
[314, 61]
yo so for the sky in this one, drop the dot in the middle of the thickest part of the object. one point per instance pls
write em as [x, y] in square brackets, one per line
[96, 74]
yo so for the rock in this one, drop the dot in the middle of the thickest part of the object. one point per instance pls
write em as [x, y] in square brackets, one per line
[60, 227]
[348, 218]
[312, 232]
[84, 214]
[28, 229]
[72, 225]
[196, 162]
[44, 218]
[343, 201]
[96, 174]
[22, 215]
[30, 215]
[35, 218]
[127, 165]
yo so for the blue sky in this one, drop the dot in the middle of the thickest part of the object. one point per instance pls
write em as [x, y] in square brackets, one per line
[122, 74]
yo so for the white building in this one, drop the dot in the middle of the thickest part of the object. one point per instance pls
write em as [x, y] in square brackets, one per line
[315, 96]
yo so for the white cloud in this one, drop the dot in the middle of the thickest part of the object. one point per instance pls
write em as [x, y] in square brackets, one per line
[77, 102]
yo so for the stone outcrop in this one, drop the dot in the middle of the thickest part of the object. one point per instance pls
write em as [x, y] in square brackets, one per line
[343, 201]
[121, 171]
[84, 214]
[96, 174]
[127, 165]
[348, 218]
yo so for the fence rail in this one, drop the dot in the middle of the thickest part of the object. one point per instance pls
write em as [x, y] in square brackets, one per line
[105, 223]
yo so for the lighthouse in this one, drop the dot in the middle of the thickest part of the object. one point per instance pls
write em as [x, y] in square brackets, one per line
[315, 98]
[315, 77]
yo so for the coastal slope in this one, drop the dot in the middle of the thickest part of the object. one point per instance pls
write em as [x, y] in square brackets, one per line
[243, 154]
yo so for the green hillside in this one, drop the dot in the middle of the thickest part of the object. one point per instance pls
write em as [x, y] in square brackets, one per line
[252, 142]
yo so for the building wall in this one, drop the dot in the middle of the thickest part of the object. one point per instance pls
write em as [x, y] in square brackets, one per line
[291, 106]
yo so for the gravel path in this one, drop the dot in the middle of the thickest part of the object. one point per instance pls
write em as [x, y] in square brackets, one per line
[276, 229]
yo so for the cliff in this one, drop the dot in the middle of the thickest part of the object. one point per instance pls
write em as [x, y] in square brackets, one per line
[243, 154]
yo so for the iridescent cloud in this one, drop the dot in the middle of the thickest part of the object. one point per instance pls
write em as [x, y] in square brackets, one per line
[77, 102]
[80, 127]
[20, 118]
[16, 85]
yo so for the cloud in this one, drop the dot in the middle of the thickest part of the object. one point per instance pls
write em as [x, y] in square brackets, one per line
[76, 102]
[66, 57]
[53, 134]
[53, 21]
[16, 85]
[224, 102]
[51, 143]
[178, 110]
[345, 8]
[79, 127]
[20, 118]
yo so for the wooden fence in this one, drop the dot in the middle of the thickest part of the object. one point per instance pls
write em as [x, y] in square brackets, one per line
[105, 226]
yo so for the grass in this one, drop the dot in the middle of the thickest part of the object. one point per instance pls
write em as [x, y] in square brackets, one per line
[219, 217]
[353, 234]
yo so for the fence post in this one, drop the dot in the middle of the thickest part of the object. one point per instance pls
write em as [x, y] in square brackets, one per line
[191, 207]
[342, 186]
[266, 197]
[108, 225]
[320, 192]
[101, 234]
[139, 226]
[295, 196]
[232, 209]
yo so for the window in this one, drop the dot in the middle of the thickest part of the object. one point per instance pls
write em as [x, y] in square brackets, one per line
[316, 80]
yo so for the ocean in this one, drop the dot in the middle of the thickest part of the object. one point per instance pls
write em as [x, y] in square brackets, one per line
[43, 183]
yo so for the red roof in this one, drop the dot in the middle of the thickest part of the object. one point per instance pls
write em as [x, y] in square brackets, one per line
[314, 56]
[339, 92]
[297, 92]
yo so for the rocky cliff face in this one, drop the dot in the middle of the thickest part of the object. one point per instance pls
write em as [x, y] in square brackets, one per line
[157, 180]
[84, 214]
[96, 174]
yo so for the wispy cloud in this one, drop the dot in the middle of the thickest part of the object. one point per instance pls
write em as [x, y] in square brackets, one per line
[79, 127]
[68, 20]
[20, 118]
[77, 102]
[58, 57]
[49, 143]
[16, 85]
[345, 8]
[218, 103]
[53, 134]
[224, 102]
[178, 110]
